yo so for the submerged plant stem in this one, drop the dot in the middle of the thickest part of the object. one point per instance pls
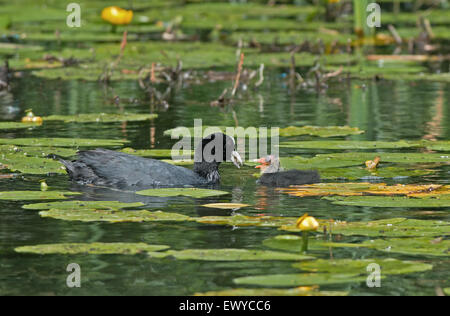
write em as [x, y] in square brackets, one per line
[304, 242]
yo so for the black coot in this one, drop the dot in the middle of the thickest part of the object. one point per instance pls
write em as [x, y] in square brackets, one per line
[274, 175]
[107, 168]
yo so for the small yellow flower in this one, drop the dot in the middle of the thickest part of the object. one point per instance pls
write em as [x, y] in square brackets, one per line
[333, 1]
[30, 118]
[307, 223]
[117, 16]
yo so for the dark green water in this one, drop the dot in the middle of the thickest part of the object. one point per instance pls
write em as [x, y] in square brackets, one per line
[386, 110]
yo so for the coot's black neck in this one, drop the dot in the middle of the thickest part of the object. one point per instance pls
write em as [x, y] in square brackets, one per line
[208, 171]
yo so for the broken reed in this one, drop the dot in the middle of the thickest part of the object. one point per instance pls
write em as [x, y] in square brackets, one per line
[360, 18]
[238, 76]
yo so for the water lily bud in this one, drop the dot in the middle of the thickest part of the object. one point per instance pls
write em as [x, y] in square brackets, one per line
[44, 186]
[307, 223]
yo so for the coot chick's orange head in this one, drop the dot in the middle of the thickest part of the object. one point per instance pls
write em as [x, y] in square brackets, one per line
[272, 174]
[269, 164]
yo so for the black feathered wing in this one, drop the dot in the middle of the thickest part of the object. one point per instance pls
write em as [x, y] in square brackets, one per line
[120, 170]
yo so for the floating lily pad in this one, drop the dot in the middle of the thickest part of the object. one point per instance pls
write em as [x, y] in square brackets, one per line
[327, 131]
[234, 255]
[348, 144]
[160, 153]
[447, 291]
[437, 145]
[365, 189]
[93, 215]
[191, 192]
[242, 221]
[100, 118]
[61, 142]
[290, 280]
[18, 162]
[93, 248]
[293, 243]
[316, 162]
[82, 205]
[34, 195]
[388, 157]
[226, 206]
[41, 152]
[394, 227]
[189, 162]
[349, 266]
[391, 201]
[411, 246]
[17, 125]
[298, 291]
[340, 160]
[354, 173]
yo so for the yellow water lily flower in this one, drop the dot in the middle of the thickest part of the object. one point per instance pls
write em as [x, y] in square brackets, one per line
[31, 118]
[307, 223]
[117, 16]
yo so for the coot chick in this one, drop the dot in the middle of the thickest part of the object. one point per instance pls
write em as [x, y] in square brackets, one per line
[273, 174]
[107, 168]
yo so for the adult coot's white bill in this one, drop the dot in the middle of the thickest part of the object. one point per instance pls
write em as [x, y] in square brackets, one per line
[272, 174]
[109, 168]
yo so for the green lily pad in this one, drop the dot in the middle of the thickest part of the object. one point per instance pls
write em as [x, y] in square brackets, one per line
[327, 131]
[34, 195]
[316, 162]
[100, 118]
[290, 280]
[160, 153]
[447, 291]
[40, 152]
[388, 157]
[93, 248]
[81, 205]
[303, 291]
[382, 173]
[112, 216]
[341, 160]
[293, 243]
[234, 255]
[348, 144]
[17, 125]
[423, 246]
[30, 165]
[61, 142]
[369, 189]
[243, 221]
[189, 162]
[437, 145]
[349, 266]
[191, 192]
[391, 201]
[394, 227]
